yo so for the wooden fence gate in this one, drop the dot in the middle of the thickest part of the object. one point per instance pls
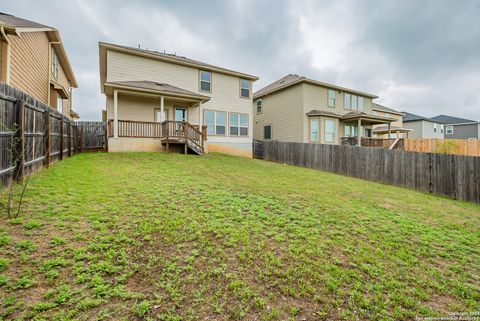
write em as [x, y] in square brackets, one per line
[92, 135]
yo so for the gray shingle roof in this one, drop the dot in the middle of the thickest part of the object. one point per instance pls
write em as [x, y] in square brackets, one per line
[412, 117]
[292, 79]
[151, 85]
[10, 20]
[385, 109]
[451, 120]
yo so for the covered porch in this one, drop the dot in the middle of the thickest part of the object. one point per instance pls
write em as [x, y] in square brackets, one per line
[141, 111]
[365, 121]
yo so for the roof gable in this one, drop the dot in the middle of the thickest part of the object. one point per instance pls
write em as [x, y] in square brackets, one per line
[293, 79]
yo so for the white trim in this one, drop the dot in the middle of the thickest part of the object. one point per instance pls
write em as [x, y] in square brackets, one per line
[115, 113]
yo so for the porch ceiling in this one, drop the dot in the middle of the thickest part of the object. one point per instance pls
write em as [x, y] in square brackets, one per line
[367, 118]
[154, 88]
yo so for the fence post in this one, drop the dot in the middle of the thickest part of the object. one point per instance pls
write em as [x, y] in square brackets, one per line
[81, 139]
[106, 137]
[20, 144]
[69, 143]
[46, 152]
[61, 138]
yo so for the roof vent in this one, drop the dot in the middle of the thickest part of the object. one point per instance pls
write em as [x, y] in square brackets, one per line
[159, 84]
[282, 81]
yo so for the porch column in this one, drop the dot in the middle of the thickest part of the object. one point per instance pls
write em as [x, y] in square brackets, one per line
[115, 113]
[389, 130]
[359, 132]
[200, 120]
[162, 108]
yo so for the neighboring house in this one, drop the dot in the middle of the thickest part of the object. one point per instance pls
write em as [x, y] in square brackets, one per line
[459, 128]
[423, 127]
[33, 59]
[396, 129]
[298, 109]
[190, 99]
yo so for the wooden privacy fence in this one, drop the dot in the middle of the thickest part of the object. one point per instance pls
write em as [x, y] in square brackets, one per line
[455, 176]
[33, 135]
[444, 146]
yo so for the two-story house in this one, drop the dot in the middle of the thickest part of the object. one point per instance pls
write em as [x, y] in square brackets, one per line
[423, 127]
[298, 109]
[33, 59]
[159, 102]
[459, 128]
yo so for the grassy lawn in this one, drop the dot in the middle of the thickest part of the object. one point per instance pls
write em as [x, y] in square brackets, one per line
[174, 237]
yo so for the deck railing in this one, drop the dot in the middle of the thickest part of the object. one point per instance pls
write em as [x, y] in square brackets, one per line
[169, 129]
[184, 130]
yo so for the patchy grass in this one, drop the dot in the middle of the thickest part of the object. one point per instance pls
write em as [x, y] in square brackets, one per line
[174, 237]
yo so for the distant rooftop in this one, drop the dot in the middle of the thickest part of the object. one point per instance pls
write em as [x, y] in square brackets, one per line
[10, 20]
[292, 79]
[452, 120]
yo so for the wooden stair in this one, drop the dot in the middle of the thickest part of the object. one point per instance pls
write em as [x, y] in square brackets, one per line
[183, 133]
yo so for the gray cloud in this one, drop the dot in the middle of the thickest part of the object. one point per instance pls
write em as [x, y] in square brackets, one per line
[417, 56]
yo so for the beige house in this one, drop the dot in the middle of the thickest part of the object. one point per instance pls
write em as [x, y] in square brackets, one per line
[160, 102]
[396, 130]
[33, 59]
[299, 109]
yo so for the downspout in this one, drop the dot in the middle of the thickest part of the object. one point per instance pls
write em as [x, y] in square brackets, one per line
[50, 43]
[7, 69]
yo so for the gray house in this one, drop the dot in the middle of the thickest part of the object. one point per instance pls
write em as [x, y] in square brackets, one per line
[459, 128]
[423, 127]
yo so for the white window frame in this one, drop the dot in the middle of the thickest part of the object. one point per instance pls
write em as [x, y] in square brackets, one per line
[362, 107]
[215, 124]
[55, 64]
[239, 127]
[245, 88]
[449, 130]
[327, 133]
[349, 100]
[204, 81]
[259, 111]
[59, 104]
[317, 121]
[354, 103]
[331, 100]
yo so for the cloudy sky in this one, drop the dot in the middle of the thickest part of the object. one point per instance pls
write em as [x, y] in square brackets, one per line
[418, 56]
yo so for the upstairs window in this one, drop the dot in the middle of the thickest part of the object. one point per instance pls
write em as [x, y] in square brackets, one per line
[55, 64]
[354, 102]
[238, 124]
[259, 106]
[360, 104]
[348, 105]
[215, 122]
[244, 88]
[205, 81]
[331, 98]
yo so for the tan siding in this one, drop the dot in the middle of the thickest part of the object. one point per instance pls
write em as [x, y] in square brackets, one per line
[283, 111]
[225, 94]
[29, 64]
[316, 98]
[1, 60]
[63, 81]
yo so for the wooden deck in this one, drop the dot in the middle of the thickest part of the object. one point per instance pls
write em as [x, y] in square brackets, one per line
[169, 132]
